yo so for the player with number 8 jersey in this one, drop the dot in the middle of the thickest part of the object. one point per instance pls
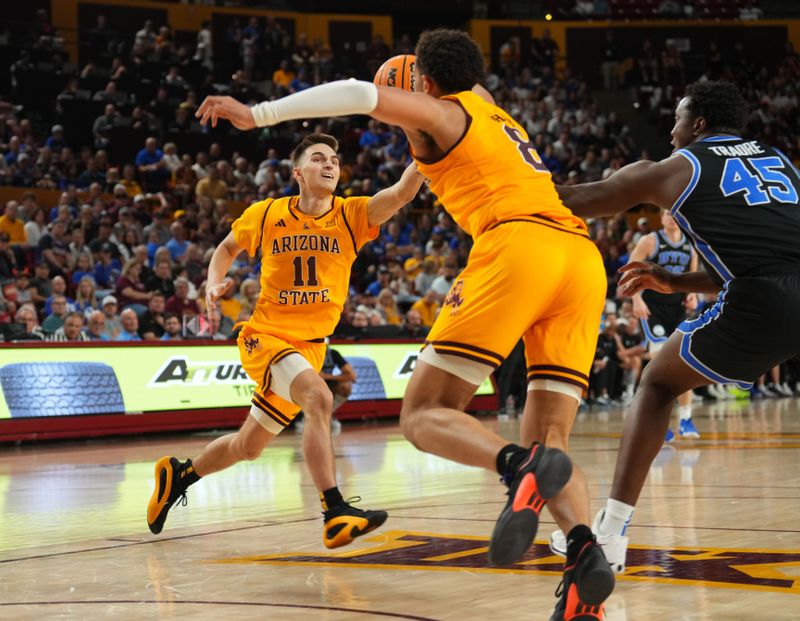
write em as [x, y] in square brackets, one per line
[494, 184]
[513, 182]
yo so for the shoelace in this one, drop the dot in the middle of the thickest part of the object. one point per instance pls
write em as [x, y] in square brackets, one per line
[349, 502]
[560, 588]
[182, 500]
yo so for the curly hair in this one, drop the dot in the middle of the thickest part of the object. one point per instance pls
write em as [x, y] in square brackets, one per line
[720, 103]
[311, 140]
[450, 58]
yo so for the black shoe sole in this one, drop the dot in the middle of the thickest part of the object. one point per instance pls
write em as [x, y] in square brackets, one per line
[376, 521]
[595, 580]
[515, 530]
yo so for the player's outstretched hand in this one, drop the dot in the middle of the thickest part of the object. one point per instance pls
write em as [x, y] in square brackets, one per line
[217, 107]
[640, 275]
[213, 293]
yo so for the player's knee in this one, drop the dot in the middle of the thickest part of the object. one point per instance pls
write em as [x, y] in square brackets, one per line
[248, 449]
[410, 419]
[657, 385]
[318, 402]
[408, 427]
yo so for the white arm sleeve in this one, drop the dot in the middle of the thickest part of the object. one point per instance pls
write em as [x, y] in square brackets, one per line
[339, 98]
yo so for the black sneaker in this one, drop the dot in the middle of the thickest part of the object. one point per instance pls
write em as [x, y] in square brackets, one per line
[540, 477]
[165, 494]
[344, 523]
[585, 586]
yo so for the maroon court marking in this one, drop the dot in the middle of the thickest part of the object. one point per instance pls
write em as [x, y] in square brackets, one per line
[393, 615]
[711, 565]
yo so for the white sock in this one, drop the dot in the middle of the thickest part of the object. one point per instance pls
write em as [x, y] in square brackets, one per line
[616, 518]
[685, 412]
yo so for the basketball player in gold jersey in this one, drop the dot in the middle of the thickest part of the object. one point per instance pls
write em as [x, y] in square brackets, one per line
[308, 243]
[533, 272]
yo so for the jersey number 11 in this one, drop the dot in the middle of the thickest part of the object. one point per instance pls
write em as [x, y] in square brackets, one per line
[311, 281]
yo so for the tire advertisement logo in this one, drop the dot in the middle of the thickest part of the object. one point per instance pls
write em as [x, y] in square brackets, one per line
[181, 370]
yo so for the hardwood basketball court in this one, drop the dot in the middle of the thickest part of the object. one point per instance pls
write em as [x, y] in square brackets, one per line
[715, 535]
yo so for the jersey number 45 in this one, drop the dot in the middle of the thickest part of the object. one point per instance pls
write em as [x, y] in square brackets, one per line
[759, 179]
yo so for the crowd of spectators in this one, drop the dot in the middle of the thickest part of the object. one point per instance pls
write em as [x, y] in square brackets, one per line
[659, 78]
[122, 253]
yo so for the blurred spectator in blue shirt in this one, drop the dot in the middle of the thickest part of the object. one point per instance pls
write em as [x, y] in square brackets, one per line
[152, 167]
[56, 140]
[178, 244]
[130, 326]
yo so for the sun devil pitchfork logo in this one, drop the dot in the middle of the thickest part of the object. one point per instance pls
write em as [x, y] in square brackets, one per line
[251, 343]
[764, 570]
[455, 296]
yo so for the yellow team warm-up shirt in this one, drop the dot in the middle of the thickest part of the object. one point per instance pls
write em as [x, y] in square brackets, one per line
[305, 263]
[493, 174]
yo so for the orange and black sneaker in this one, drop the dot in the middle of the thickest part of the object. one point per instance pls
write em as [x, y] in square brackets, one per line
[343, 523]
[167, 490]
[540, 477]
[587, 583]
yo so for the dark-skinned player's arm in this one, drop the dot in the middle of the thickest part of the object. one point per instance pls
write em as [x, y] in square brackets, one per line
[657, 183]
[639, 275]
[634, 184]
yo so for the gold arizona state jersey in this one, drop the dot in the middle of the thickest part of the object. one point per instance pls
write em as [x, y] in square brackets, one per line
[305, 262]
[493, 174]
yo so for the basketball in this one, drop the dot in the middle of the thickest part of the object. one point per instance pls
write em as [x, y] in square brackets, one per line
[398, 71]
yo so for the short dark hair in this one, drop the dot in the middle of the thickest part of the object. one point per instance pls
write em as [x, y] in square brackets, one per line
[450, 58]
[720, 103]
[310, 140]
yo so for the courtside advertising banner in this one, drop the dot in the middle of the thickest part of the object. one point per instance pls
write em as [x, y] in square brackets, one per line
[71, 381]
